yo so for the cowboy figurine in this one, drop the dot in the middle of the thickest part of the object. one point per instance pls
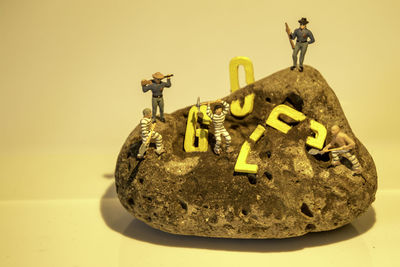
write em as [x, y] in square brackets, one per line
[157, 86]
[302, 34]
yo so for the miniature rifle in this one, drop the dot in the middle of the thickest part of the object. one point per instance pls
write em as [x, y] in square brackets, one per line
[143, 148]
[314, 151]
[146, 82]
[288, 33]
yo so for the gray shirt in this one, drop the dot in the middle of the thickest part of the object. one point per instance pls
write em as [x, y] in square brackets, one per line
[156, 88]
[302, 35]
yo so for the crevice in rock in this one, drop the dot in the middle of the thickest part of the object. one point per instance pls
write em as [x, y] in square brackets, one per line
[320, 157]
[295, 100]
[346, 162]
[183, 205]
[134, 172]
[268, 175]
[306, 210]
[310, 227]
[148, 198]
[252, 178]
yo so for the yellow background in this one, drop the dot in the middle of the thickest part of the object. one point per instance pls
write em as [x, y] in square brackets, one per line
[70, 91]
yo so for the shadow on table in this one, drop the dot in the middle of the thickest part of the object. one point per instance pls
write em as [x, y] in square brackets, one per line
[119, 220]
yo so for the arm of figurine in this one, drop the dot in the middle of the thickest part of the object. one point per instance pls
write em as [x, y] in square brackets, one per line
[168, 83]
[226, 107]
[327, 147]
[312, 40]
[144, 128]
[146, 87]
[350, 144]
[209, 113]
[293, 35]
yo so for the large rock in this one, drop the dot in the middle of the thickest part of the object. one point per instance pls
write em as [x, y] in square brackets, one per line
[293, 192]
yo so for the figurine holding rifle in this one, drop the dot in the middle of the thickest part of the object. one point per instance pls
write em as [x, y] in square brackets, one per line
[301, 35]
[156, 85]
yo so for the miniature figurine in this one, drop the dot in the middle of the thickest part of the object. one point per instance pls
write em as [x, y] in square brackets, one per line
[220, 111]
[302, 34]
[157, 86]
[148, 133]
[345, 144]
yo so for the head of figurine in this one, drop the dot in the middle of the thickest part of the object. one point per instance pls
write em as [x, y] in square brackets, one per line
[147, 113]
[303, 22]
[335, 129]
[158, 76]
[218, 109]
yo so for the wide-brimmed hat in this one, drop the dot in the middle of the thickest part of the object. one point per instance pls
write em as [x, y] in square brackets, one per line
[158, 75]
[303, 21]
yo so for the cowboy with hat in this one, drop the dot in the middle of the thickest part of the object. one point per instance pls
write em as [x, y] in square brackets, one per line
[156, 85]
[304, 37]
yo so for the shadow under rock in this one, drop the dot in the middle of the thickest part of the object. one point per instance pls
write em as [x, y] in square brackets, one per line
[119, 220]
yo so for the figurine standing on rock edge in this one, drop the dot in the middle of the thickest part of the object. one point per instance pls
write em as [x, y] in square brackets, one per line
[147, 133]
[157, 86]
[301, 34]
[220, 111]
[344, 144]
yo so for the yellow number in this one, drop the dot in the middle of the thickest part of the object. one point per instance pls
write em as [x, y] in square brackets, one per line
[248, 104]
[241, 165]
[273, 118]
[320, 135]
[192, 132]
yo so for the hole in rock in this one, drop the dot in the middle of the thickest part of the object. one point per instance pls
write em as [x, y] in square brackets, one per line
[268, 154]
[268, 175]
[295, 100]
[205, 206]
[310, 227]
[245, 212]
[320, 157]
[148, 219]
[252, 178]
[131, 202]
[148, 198]
[346, 162]
[183, 205]
[141, 180]
[268, 99]
[306, 210]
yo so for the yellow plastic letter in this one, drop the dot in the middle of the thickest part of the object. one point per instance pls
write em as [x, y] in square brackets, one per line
[241, 165]
[320, 135]
[248, 104]
[192, 132]
[273, 118]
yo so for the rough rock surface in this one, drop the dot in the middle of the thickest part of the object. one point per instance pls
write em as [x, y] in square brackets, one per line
[293, 192]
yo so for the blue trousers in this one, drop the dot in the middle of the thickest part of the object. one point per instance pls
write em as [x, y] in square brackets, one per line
[299, 47]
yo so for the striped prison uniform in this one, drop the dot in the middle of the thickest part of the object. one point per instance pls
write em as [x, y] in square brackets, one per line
[219, 129]
[145, 125]
[348, 155]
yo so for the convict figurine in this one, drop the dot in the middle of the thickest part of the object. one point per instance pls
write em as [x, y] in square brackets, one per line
[221, 109]
[156, 86]
[147, 133]
[341, 145]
